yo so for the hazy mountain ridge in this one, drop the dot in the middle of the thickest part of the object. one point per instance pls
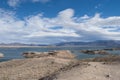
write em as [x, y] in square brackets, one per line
[93, 43]
[20, 44]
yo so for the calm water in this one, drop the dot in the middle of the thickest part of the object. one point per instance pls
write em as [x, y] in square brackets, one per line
[16, 53]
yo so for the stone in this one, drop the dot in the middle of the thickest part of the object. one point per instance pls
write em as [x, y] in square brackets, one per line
[1, 55]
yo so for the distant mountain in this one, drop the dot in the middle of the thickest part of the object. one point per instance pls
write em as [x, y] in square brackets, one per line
[109, 43]
[20, 44]
[93, 43]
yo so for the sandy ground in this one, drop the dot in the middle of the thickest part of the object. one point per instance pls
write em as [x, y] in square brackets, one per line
[93, 71]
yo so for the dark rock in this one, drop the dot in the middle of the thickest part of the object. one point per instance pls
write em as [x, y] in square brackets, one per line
[107, 76]
[60, 54]
[101, 52]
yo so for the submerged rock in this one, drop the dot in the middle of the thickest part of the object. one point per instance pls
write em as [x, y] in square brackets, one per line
[60, 54]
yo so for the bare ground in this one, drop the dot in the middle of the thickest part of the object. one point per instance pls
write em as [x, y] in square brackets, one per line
[52, 68]
[93, 71]
[31, 69]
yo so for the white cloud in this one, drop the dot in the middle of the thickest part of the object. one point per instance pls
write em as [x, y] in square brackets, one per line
[39, 29]
[84, 17]
[13, 3]
[42, 1]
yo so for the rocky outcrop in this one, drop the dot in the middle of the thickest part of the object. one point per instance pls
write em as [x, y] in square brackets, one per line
[59, 54]
[1, 55]
[101, 52]
[32, 68]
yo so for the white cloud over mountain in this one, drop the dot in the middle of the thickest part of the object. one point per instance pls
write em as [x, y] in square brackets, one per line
[64, 27]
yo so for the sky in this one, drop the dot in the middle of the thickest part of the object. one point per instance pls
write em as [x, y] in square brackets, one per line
[54, 21]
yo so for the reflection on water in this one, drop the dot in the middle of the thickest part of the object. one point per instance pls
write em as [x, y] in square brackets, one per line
[16, 53]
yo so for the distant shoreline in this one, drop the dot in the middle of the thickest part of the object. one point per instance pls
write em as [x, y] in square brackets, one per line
[44, 46]
[20, 46]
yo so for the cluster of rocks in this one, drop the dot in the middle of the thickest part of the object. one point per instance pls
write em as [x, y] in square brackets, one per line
[101, 52]
[59, 54]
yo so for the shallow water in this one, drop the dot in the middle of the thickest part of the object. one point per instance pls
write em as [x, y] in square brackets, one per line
[16, 53]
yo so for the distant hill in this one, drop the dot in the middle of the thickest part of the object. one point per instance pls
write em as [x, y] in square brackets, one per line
[93, 43]
[20, 44]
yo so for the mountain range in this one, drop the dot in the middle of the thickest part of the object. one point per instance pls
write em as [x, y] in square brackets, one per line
[111, 43]
[92, 43]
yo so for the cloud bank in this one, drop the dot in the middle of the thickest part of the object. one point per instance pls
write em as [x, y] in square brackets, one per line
[64, 27]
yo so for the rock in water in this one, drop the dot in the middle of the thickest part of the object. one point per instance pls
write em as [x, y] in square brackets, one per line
[34, 54]
[1, 55]
[101, 52]
[60, 54]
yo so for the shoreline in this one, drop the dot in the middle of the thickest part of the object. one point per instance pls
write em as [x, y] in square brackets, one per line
[43, 46]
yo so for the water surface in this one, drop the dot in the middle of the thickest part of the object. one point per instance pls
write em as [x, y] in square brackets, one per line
[16, 53]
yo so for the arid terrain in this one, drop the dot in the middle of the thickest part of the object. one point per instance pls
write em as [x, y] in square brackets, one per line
[92, 71]
[31, 69]
[56, 66]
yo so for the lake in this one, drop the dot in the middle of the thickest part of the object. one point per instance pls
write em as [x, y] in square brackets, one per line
[16, 53]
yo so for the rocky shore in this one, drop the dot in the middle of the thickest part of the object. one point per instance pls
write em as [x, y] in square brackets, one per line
[60, 65]
[36, 66]
[31, 69]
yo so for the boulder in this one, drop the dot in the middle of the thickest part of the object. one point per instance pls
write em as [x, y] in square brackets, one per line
[60, 54]
[1, 55]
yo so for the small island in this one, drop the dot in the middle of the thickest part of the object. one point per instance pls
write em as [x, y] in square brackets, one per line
[93, 52]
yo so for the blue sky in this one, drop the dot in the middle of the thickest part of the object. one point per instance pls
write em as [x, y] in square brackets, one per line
[53, 21]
